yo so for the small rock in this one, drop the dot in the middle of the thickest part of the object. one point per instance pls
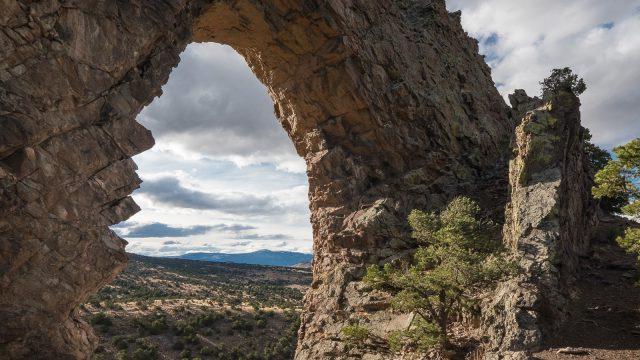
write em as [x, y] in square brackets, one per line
[573, 351]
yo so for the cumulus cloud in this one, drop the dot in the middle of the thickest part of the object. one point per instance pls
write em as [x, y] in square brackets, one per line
[233, 228]
[215, 106]
[265, 237]
[160, 230]
[168, 191]
[163, 230]
[523, 40]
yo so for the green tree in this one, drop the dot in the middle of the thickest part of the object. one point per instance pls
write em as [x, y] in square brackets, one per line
[598, 158]
[459, 256]
[562, 80]
[355, 334]
[620, 178]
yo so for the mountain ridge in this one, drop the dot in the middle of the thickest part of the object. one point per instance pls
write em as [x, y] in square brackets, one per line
[259, 257]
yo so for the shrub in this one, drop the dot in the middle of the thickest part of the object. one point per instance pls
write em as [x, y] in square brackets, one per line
[459, 256]
[121, 342]
[101, 319]
[178, 345]
[355, 334]
[145, 351]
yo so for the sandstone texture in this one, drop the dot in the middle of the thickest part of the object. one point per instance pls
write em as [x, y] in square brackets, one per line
[388, 102]
[548, 224]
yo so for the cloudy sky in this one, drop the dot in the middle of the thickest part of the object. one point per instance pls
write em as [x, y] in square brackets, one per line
[223, 175]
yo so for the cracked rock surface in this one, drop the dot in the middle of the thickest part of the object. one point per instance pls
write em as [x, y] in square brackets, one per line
[388, 102]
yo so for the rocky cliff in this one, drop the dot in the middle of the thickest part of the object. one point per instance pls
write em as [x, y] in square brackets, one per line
[548, 224]
[388, 102]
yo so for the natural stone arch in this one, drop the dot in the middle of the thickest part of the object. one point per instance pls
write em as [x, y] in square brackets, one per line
[388, 102]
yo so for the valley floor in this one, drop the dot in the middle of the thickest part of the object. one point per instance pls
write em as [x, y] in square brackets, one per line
[183, 309]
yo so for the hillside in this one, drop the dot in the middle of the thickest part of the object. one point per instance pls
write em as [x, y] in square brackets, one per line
[161, 308]
[261, 257]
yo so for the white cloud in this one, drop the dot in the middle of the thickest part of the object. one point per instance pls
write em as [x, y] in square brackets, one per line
[599, 39]
[214, 107]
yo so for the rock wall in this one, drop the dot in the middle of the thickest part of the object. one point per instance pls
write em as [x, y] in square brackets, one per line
[548, 224]
[388, 102]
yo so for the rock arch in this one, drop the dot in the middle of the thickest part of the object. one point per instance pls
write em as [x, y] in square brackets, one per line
[388, 102]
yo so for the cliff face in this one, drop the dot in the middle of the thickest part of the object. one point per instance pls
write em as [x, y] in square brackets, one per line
[388, 102]
[548, 224]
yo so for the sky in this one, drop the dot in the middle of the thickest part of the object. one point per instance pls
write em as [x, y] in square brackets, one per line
[224, 177]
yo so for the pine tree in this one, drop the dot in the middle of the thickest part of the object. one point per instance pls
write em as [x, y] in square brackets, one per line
[459, 257]
[563, 80]
[621, 178]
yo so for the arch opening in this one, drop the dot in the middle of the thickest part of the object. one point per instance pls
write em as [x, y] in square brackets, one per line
[222, 184]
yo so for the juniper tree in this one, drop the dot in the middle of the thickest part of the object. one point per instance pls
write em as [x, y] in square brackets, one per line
[563, 80]
[621, 178]
[598, 158]
[459, 255]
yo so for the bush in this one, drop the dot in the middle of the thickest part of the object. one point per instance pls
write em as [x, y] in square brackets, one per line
[145, 351]
[101, 319]
[178, 345]
[459, 257]
[122, 355]
[183, 328]
[121, 342]
[355, 334]
[154, 325]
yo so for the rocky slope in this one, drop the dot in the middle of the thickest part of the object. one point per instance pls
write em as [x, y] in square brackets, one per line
[388, 102]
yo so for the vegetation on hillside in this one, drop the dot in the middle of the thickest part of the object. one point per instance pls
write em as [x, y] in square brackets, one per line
[459, 257]
[182, 309]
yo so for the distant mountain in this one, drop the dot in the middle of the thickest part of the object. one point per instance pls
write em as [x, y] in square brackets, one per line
[261, 257]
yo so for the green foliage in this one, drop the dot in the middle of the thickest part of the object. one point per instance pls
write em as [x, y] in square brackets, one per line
[631, 242]
[145, 351]
[597, 156]
[423, 335]
[121, 342]
[562, 80]
[154, 325]
[620, 178]
[355, 334]
[598, 159]
[165, 320]
[459, 257]
[101, 319]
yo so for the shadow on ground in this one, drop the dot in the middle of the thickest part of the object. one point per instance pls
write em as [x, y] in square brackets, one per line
[605, 318]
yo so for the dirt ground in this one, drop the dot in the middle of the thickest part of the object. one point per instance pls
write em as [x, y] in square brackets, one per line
[604, 321]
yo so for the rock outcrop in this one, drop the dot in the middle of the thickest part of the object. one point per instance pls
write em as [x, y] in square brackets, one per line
[388, 102]
[548, 224]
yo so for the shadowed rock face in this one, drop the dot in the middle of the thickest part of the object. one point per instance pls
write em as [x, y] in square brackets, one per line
[548, 224]
[388, 102]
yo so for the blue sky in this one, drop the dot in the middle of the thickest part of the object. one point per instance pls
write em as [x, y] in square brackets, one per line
[224, 176]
